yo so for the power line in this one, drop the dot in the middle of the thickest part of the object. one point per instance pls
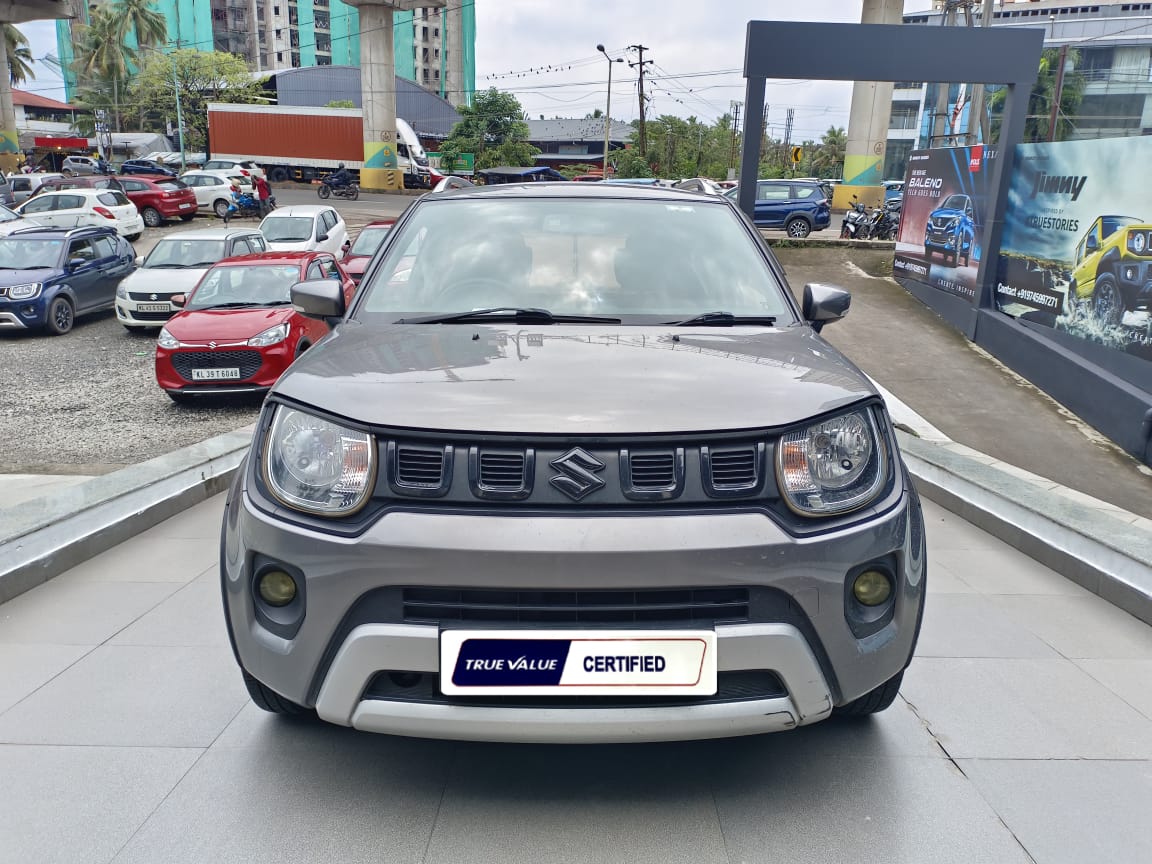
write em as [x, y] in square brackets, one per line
[640, 64]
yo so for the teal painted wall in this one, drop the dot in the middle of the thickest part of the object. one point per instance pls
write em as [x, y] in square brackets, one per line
[306, 21]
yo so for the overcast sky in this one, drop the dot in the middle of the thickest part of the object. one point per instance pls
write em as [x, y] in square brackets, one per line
[518, 40]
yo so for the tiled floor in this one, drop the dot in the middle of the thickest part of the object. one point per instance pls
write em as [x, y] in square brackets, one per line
[1024, 733]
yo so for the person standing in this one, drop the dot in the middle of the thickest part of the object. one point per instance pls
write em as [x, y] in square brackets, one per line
[263, 194]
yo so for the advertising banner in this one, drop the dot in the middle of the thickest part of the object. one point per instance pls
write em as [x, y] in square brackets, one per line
[1077, 248]
[946, 192]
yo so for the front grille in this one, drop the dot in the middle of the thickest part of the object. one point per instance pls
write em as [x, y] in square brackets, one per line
[733, 468]
[420, 466]
[698, 606]
[247, 361]
[738, 686]
[502, 471]
[652, 471]
[150, 297]
[152, 316]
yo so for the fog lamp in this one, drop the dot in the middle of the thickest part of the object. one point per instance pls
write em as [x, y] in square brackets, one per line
[277, 588]
[872, 588]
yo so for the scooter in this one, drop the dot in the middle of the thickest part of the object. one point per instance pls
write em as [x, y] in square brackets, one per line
[855, 222]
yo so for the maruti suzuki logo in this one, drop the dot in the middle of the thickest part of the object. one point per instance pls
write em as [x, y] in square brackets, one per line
[211, 344]
[577, 479]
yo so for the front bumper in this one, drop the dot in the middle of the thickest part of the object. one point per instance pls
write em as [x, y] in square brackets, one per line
[274, 360]
[128, 312]
[336, 652]
[23, 314]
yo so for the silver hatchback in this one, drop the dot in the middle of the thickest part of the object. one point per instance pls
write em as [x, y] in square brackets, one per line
[574, 466]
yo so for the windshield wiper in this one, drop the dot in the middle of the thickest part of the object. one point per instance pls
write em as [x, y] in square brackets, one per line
[724, 319]
[164, 266]
[521, 315]
[244, 305]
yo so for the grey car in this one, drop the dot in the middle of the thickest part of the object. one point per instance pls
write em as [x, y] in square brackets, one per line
[574, 466]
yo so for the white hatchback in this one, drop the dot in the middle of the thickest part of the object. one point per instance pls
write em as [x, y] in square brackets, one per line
[71, 208]
[234, 166]
[213, 189]
[305, 228]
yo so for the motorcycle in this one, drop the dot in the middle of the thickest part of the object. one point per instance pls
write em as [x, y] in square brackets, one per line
[882, 224]
[246, 204]
[351, 191]
[855, 222]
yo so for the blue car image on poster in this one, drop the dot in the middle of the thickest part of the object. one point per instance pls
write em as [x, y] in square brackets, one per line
[951, 229]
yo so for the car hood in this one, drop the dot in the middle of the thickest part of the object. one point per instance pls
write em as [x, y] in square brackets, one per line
[160, 280]
[22, 277]
[946, 213]
[355, 265]
[225, 325]
[564, 379]
[281, 246]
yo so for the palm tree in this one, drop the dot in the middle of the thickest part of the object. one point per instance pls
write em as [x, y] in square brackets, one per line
[830, 154]
[1037, 125]
[101, 55]
[19, 55]
[150, 26]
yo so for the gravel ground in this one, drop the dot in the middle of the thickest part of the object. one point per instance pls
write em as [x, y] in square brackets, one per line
[87, 402]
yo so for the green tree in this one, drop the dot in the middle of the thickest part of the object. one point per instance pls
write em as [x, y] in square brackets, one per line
[493, 128]
[19, 55]
[1038, 122]
[341, 103]
[103, 60]
[828, 158]
[202, 77]
[138, 16]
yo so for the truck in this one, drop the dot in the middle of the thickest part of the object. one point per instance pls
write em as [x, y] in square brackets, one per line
[305, 144]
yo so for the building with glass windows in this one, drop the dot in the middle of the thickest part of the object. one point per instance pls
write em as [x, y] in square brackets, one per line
[1110, 39]
[289, 34]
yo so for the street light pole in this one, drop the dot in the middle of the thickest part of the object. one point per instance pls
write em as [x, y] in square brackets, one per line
[607, 109]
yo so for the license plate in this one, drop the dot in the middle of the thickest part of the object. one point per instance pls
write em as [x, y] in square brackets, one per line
[215, 374]
[185, 206]
[153, 307]
[574, 662]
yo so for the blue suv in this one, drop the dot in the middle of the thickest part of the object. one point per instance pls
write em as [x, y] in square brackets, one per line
[951, 229]
[48, 276]
[798, 206]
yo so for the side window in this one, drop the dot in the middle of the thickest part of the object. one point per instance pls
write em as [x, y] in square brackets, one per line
[328, 267]
[82, 249]
[40, 205]
[315, 271]
[772, 192]
[105, 247]
[256, 241]
[133, 186]
[803, 192]
[69, 202]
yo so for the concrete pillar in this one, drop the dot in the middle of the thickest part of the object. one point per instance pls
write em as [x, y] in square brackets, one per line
[9, 136]
[454, 31]
[378, 91]
[871, 109]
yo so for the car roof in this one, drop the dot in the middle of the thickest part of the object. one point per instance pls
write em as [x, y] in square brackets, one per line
[298, 210]
[79, 190]
[32, 230]
[294, 257]
[211, 234]
[571, 190]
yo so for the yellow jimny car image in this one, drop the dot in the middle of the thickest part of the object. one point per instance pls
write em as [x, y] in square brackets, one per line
[1113, 272]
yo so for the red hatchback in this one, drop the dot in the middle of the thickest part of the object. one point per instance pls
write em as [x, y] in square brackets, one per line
[356, 259]
[237, 331]
[160, 198]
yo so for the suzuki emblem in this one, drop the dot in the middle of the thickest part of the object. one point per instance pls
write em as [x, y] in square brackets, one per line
[211, 344]
[576, 479]
[151, 296]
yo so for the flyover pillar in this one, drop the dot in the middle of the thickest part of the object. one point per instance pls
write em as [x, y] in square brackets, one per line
[378, 90]
[871, 109]
[9, 136]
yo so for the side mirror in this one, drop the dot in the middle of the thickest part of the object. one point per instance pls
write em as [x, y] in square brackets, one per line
[76, 263]
[1093, 244]
[178, 300]
[320, 238]
[319, 298]
[139, 260]
[824, 304]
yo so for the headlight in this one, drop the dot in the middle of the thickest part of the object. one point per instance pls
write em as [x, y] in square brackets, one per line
[271, 336]
[833, 466]
[167, 340]
[1138, 242]
[121, 292]
[25, 292]
[316, 466]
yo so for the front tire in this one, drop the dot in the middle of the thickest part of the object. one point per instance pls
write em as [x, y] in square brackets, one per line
[1107, 301]
[220, 208]
[872, 702]
[61, 316]
[152, 217]
[131, 238]
[323, 191]
[798, 227]
[271, 701]
[354, 193]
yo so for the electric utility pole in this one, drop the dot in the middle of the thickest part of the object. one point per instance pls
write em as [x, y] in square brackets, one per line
[641, 63]
[788, 132]
[736, 106]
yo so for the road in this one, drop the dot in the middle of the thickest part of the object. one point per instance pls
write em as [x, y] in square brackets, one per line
[1023, 736]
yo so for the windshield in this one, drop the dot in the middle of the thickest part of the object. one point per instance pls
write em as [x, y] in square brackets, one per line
[287, 229]
[575, 257]
[174, 252]
[955, 202]
[27, 254]
[369, 240]
[1109, 225]
[262, 285]
[7, 215]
